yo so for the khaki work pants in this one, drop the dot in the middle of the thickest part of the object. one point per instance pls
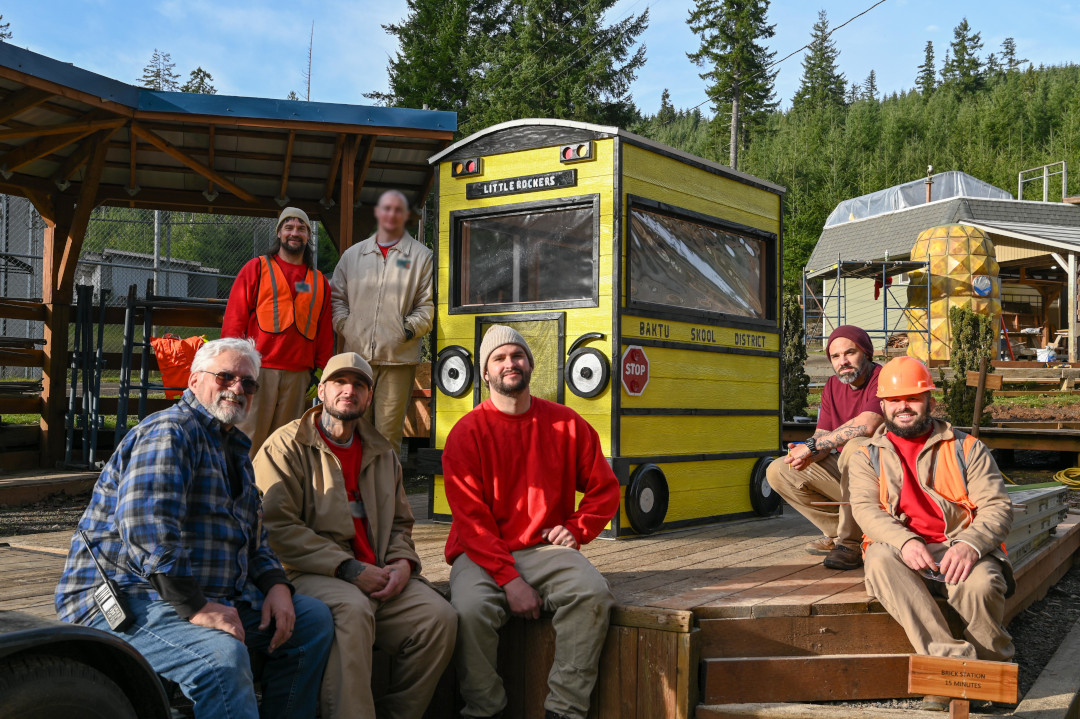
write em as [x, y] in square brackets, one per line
[282, 397]
[390, 400]
[822, 481]
[571, 587]
[416, 628]
[909, 598]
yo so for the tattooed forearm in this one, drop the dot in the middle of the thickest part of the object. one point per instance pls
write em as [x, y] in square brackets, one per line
[841, 436]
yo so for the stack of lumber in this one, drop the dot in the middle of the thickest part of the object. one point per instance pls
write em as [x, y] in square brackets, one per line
[1037, 511]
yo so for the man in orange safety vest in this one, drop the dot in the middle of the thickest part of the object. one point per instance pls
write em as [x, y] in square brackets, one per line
[934, 511]
[282, 303]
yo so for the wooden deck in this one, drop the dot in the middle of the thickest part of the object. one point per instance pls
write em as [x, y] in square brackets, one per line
[730, 613]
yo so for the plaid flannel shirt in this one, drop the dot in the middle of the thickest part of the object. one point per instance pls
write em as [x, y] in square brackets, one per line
[162, 505]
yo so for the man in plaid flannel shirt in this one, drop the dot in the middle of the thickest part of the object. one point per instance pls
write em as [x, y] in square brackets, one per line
[175, 520]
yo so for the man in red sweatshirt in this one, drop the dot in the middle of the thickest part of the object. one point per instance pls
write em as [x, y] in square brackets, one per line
[282, 303]
[512, 467]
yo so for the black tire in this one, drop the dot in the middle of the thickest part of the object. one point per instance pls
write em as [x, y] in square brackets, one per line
[44, 687]
[647, 499]
[763, 498]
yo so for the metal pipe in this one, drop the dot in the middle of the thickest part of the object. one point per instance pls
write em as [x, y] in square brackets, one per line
[157, 246]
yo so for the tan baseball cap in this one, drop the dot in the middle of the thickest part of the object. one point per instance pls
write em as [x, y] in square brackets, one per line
[290, 212]
[348, 362]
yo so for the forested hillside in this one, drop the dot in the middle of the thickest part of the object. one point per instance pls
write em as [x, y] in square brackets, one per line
[1011, 121]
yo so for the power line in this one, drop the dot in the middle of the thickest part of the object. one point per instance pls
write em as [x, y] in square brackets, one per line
[796, 52]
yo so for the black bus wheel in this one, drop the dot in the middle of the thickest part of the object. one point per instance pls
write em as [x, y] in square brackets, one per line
[647, 499]
[763, 498]
[45, 687]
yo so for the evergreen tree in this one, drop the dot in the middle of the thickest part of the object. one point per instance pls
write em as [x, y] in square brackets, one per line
[964, 69]
[822, 84]
[992, 67]
[160, 73]
[292, 95]
[199, 82]
[852, 93]
[1008, 55]
[735, 61]
[439, 47]
[926, 80]
[5, 30]
[869, 88]
[666, 115]
[558, 59]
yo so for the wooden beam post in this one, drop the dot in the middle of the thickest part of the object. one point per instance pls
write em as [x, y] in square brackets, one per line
[345, 198]
[163, 145]
[282, 198]
[1071, 267]
[361, 171]
[57, 317]
[22, 100]
[333, 167]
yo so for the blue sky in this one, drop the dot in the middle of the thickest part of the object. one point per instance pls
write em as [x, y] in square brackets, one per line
[259, 47]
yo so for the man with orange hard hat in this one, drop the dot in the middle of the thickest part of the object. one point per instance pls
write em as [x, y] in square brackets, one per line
[933, 506]
[811, 472]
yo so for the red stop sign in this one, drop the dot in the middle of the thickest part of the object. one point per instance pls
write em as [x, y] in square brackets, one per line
[635, 370]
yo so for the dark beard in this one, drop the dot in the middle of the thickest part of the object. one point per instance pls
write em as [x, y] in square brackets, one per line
[860, 372]
[497, 385]
[343, 416]
[921, 427]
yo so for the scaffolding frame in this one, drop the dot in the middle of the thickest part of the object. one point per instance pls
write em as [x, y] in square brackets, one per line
[814, 307]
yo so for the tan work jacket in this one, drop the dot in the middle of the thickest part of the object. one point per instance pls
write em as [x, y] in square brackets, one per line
[985, 487]
[372, 300]
[306, 508]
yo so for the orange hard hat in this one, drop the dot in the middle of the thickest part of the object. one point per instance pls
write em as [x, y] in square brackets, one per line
[904, 376]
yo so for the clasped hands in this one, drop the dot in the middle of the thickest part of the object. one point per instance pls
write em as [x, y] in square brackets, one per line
[956, 563]
[384, 583]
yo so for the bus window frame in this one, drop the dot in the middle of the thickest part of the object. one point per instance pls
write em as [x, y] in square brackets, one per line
[771, 242]
[518, 208]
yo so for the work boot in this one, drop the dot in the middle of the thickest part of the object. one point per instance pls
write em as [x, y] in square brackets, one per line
[820, 546]
[842, 557]
[935, 703]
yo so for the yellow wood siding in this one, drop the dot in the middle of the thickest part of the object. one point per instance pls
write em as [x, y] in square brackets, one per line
[664, 435]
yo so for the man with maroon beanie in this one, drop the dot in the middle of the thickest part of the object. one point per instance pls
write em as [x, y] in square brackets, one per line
[811, 472]
[512, 467]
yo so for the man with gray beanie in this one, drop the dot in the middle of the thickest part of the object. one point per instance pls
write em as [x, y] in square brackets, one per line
[813, 471]
[282, 303]
[512, 467]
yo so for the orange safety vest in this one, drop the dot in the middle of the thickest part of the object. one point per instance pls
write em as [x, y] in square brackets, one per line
[950, 475]
[277, 310]
[174, 358]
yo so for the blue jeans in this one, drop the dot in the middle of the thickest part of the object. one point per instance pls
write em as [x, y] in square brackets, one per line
[214, 670]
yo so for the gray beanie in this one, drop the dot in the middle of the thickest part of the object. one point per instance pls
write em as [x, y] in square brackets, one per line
[497, 336]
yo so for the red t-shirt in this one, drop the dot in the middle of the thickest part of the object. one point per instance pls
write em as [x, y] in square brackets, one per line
[841, 403]
[510, 476]
[924, 516]
[288, 350]
[350, 458]
[384, 249]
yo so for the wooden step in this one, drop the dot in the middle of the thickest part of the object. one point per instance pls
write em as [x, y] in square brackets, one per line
[854, 677]
[875, 633]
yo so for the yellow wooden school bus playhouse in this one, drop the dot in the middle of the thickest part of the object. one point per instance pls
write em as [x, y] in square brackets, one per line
[646, 281]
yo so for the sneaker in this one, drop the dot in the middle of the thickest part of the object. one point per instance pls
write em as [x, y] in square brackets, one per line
[935, 703]
[820, 546]
[842, 557]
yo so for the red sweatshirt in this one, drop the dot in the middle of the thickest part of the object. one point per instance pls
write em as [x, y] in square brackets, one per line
[288, 350]
[510, 476]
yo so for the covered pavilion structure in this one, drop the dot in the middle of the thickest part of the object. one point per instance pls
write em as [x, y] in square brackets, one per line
[72, 140]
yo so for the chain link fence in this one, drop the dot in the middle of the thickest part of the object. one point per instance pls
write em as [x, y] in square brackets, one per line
[185, 254]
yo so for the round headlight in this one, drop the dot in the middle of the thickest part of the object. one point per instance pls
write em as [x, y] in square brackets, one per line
[587, 372]
[454, 371]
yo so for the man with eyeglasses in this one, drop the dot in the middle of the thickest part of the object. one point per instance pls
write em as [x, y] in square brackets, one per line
[175, 522]
[339, 519]
[281, 302]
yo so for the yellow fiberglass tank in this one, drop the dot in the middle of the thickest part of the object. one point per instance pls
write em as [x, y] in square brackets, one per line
[963, 273]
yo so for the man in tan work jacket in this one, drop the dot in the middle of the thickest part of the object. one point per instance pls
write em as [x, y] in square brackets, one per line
[933, 506]
[338, 518]
[380, 298]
